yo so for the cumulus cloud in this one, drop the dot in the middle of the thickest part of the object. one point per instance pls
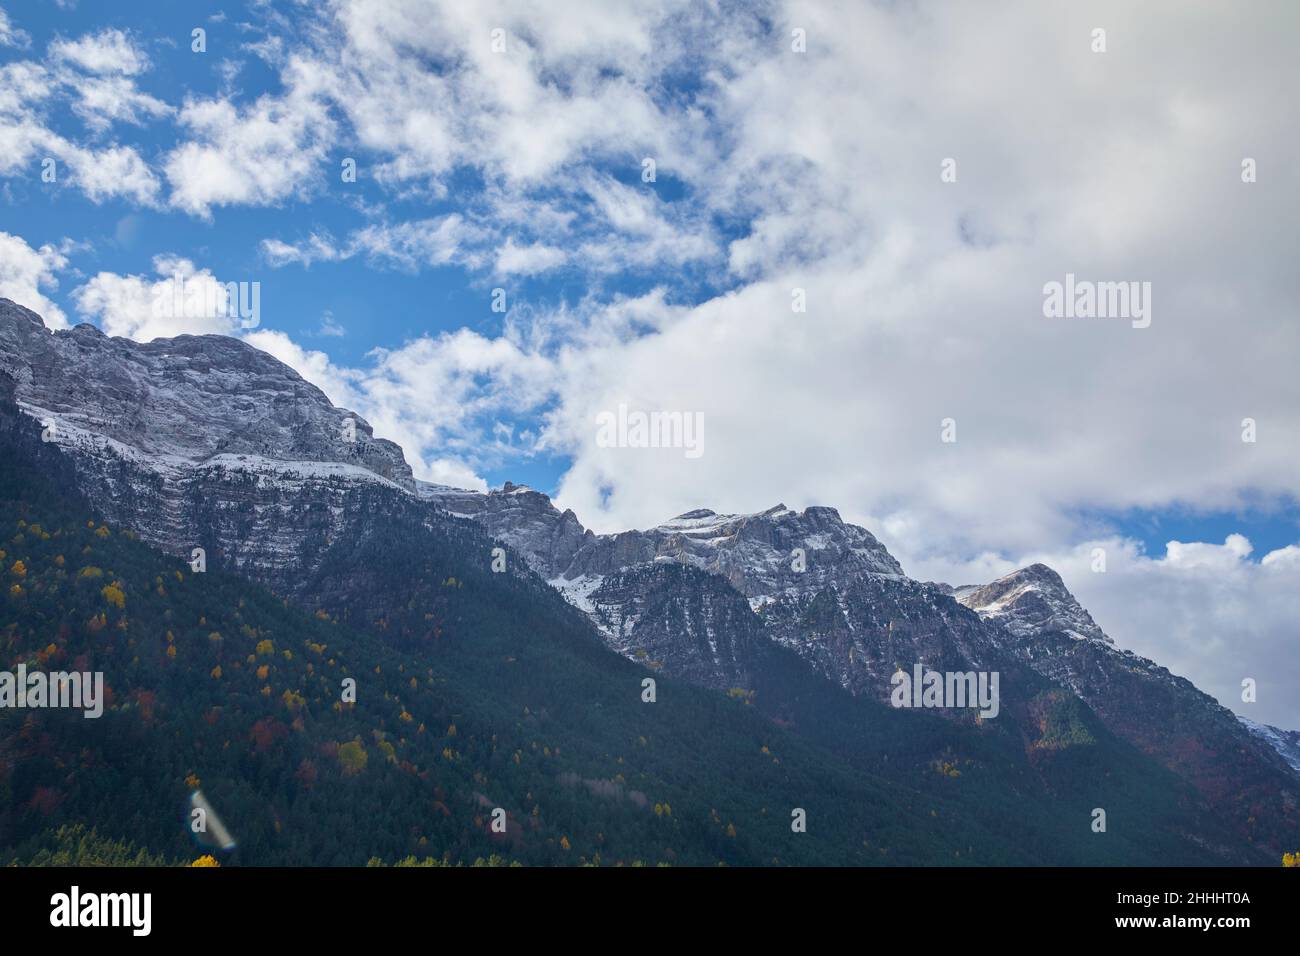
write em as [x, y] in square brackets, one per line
[436, 396]
[102, 101]
[25, 271]
[1214, 557]
[99, 71]
[260, 153]
[178, 299]
[100, 172]
[110, 172]
[1283, 559]
[924, 298]
[531, 259]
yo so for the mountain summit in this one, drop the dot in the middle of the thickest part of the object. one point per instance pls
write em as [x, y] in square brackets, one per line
[184, 403]
[1031, 601]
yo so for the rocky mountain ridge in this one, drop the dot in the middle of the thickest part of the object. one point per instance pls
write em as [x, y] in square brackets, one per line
[203, 441]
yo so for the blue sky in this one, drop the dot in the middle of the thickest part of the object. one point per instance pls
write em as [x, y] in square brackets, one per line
[344, 309]
[1267, 530]
[798, 150]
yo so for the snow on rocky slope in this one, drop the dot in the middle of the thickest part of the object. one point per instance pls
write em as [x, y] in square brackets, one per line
[1285, 742]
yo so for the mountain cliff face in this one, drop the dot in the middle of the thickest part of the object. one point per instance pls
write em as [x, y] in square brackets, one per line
[184, 402]
[202, 441]
[807, 580]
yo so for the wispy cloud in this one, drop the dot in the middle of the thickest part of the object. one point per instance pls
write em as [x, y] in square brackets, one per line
[10, 35]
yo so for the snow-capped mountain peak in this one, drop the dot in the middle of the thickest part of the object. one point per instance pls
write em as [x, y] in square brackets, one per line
[185, 402]
[1031, 601]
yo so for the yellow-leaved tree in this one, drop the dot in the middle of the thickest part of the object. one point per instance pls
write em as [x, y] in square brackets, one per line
[353, 757]
[114, 595]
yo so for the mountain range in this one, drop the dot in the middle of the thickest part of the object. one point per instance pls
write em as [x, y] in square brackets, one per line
[794, 618]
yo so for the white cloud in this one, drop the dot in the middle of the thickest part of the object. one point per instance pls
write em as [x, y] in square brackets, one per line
[615, 229]
[924, 298]
[179, 299]
[531, 259]
[10, 35]
[318, 247]
[258, 154]
[109, 51]
[425, 96]
[409, 245]
[100, 172]
[1282, 559]
[25, 271]
[436, 396]
[22, 85]
[99, 72]
[329, 327]
[1220, 557]
[114, 171]
[642, 230]
[104, 100]
[509, 112]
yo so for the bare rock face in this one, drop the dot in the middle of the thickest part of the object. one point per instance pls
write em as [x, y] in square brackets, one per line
[197, 441]
[524, 518]
[186, 401]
